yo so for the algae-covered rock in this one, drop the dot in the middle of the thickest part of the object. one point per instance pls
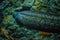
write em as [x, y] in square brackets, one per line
[37, 5]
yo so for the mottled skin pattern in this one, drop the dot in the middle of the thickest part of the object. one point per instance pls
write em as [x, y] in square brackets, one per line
[38, 20]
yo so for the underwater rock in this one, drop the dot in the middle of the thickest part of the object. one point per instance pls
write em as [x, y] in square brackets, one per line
[3, 4]
[28, 3]
[38, 21]
[37, 5]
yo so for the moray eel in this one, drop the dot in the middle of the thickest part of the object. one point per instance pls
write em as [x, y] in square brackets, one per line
[38, 20]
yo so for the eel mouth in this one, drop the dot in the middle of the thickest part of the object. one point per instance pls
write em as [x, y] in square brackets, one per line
[38, 21]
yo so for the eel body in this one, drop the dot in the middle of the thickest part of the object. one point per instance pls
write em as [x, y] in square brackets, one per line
[38, 20]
